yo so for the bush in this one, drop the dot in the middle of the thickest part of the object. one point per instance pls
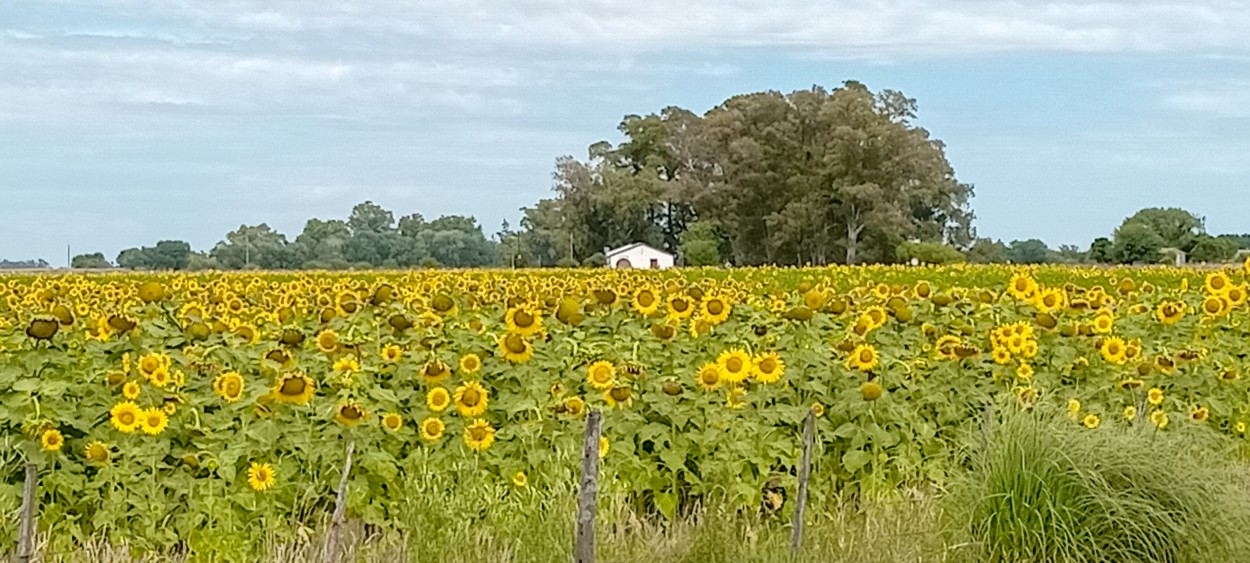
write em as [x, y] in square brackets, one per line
[1051, 491]
[567, 262]
[929, 253]
[596, 260]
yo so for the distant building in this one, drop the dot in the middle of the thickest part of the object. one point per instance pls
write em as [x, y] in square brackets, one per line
[638, 255]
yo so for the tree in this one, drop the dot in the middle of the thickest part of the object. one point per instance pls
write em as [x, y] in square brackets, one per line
[320, 245]
[1213, 249]
[256, 246]
[369, 217]
[929, 253]
[700, 244]
[1176, 228]
[1137, 242]
[988, 251]
[166, 255]
[814, 176]
[1070, 254]
[1102, 251]
[1030, 251]
[95, 260]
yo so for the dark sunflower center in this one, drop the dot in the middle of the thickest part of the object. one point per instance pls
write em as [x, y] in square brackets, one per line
[768, 365]
[645, 298]
[866, 356]
[715, 307]
[443, 303]
[620, 393]
[351, 413]
[680, 305]
[734, 365]
[710, 377]
[293, 386]
[523, 319]
[477, 433]
[471, 397]
[514, 344]
[126, 418]
[233, 387]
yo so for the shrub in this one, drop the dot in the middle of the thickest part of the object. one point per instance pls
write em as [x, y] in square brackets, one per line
[1051, 491]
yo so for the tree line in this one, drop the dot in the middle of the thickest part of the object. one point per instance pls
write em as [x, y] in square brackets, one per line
[815, 176]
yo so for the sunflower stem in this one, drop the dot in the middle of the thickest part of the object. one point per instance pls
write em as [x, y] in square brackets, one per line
[26, 537]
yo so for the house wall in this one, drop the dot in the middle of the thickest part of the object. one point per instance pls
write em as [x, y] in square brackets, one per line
[640, 258]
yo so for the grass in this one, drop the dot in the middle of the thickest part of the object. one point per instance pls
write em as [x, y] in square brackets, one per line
[1051, 490]
[438, 528]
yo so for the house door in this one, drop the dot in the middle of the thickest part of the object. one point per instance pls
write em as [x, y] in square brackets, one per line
[655, 263]
[623, 263]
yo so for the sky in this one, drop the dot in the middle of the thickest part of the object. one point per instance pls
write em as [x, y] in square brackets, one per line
[125, 122]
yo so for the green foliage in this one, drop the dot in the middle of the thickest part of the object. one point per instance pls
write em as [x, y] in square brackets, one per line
[929, 253]
[1176, 227]
[94, 260]
[1030, 251]
[1213, 249]
[1102, 251]
[1056, 491]
[988, 251]
[814, 176]
[1137, 243]
[166, 255]
[700, 244]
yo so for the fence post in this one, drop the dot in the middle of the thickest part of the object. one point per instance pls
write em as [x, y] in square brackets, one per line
[340, 509]
[26, 535]
[584, 542]
[805, 469]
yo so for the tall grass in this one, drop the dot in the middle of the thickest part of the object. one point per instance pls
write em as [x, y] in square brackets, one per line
[1049, 490]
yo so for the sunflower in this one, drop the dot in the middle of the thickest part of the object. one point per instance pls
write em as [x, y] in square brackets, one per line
[1104, 322]
[1074, 407]
[1001, 356]
[1114, 350]
[709, 376]
[435, 372]
[125, 416]
[1217, 283]
[260, 476]
[346, 365]
[870, 390]
[1022, 286]
[574, 405]
[736, 398]
[1159, 419]
[392, 421]
[523, 321]
[1091, 421]
[1170, 312]
[519, 479]
[515, 348]
[392, 353]
[131, 390]
[443, 305]
[1199, 414]
[349, 413]
[52, 440]
[769, 368]
[471, 399]
[470, 363]
[619, 396]
[864, 358]
[328, 341]
[1130, 412]
[294, 388]
[645, 301]
[438, 399]
[479, 435]
[155, 368]
[715, 309]
[601, 375]
[1155, 396]
[153, 421]
[679, 307]
[1024, 371]
[97, 452]
[604, 447]
[1216, 306]
[229, 386]
[432, 429]
[735, 365]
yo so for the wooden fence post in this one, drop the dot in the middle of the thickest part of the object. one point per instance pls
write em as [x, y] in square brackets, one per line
[26, 535]
[805, 471]
[340, 509]
[584, 541]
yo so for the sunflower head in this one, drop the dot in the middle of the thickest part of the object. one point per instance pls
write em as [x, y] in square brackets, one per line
[97, 452]
[349, 413]
[261, 476]
[432, 429]
[51, 440]
[392, 421]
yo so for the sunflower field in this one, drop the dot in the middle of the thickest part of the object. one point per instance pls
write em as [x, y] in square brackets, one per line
[158, 405]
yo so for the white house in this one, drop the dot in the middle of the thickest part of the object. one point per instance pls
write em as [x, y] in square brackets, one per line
[638, 255]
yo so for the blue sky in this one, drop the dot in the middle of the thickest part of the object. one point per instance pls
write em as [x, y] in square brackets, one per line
[123, 122]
